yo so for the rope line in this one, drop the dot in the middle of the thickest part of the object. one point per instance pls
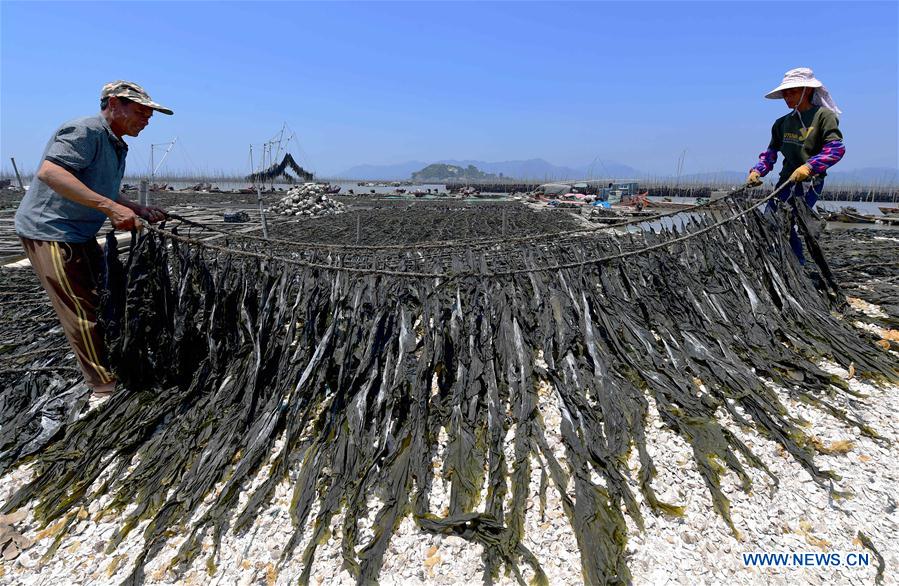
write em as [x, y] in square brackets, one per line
[19, 302]
[868, 266]
[39, 369]
[411, 274]
[14, 357]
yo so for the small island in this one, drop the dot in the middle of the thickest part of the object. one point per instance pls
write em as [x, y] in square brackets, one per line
[444, 172]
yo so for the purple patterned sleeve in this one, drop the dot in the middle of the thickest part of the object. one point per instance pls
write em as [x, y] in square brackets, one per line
[830, 154]
[766, 162]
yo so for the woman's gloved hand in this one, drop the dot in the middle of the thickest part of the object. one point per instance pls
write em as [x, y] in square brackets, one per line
[754, 179]
[802, 173]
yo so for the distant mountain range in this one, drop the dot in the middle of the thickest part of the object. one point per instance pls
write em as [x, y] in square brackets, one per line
[540, 169]
[866, 175]
[875, 176]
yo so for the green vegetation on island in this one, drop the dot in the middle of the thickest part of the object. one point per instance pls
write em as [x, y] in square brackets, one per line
[444, 172]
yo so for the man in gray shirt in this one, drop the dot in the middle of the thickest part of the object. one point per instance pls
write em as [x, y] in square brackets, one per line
[75, 189]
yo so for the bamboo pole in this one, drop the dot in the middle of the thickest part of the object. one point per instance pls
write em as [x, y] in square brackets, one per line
[259, 193]
[18, 177]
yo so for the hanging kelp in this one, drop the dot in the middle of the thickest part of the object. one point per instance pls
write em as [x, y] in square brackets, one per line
[37, 392]
[350, 361]
[866, 262]
[280, 170]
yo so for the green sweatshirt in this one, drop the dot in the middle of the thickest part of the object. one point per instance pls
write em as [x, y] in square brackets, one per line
[797, 143]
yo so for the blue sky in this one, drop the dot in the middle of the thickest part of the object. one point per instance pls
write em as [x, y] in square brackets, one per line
[381, 83]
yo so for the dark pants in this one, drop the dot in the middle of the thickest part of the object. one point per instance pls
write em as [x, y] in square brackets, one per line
[808, 191]
[70, 273]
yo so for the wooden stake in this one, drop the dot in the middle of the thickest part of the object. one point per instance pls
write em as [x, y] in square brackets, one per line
[16, 169]
[143, 194]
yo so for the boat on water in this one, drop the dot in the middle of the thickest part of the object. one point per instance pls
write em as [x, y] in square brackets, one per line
[667, 204]
[604, 213]
[848, 215]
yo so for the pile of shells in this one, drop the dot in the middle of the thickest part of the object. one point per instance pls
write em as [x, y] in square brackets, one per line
[794, 515]
[307, 200]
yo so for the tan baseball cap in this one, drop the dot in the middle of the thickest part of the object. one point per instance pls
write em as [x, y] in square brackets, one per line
[132, 91]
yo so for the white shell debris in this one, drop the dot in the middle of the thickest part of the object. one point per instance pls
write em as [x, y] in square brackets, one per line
[698, 548]
[307, 200]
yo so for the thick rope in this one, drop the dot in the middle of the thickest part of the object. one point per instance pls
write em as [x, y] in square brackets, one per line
[39, 369]
[19, 302]
[13, 357]
[869, 266]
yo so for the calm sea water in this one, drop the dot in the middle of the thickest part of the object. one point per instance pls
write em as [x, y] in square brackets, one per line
[867, 208]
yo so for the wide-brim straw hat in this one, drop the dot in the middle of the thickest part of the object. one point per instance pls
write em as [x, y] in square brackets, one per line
[799, 77]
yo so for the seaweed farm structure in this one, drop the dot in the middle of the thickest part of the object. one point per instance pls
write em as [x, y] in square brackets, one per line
[279, 171]
[667, 188]
[358, 364]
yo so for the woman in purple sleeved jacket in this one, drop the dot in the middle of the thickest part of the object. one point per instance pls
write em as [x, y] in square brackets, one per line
[809, 138]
